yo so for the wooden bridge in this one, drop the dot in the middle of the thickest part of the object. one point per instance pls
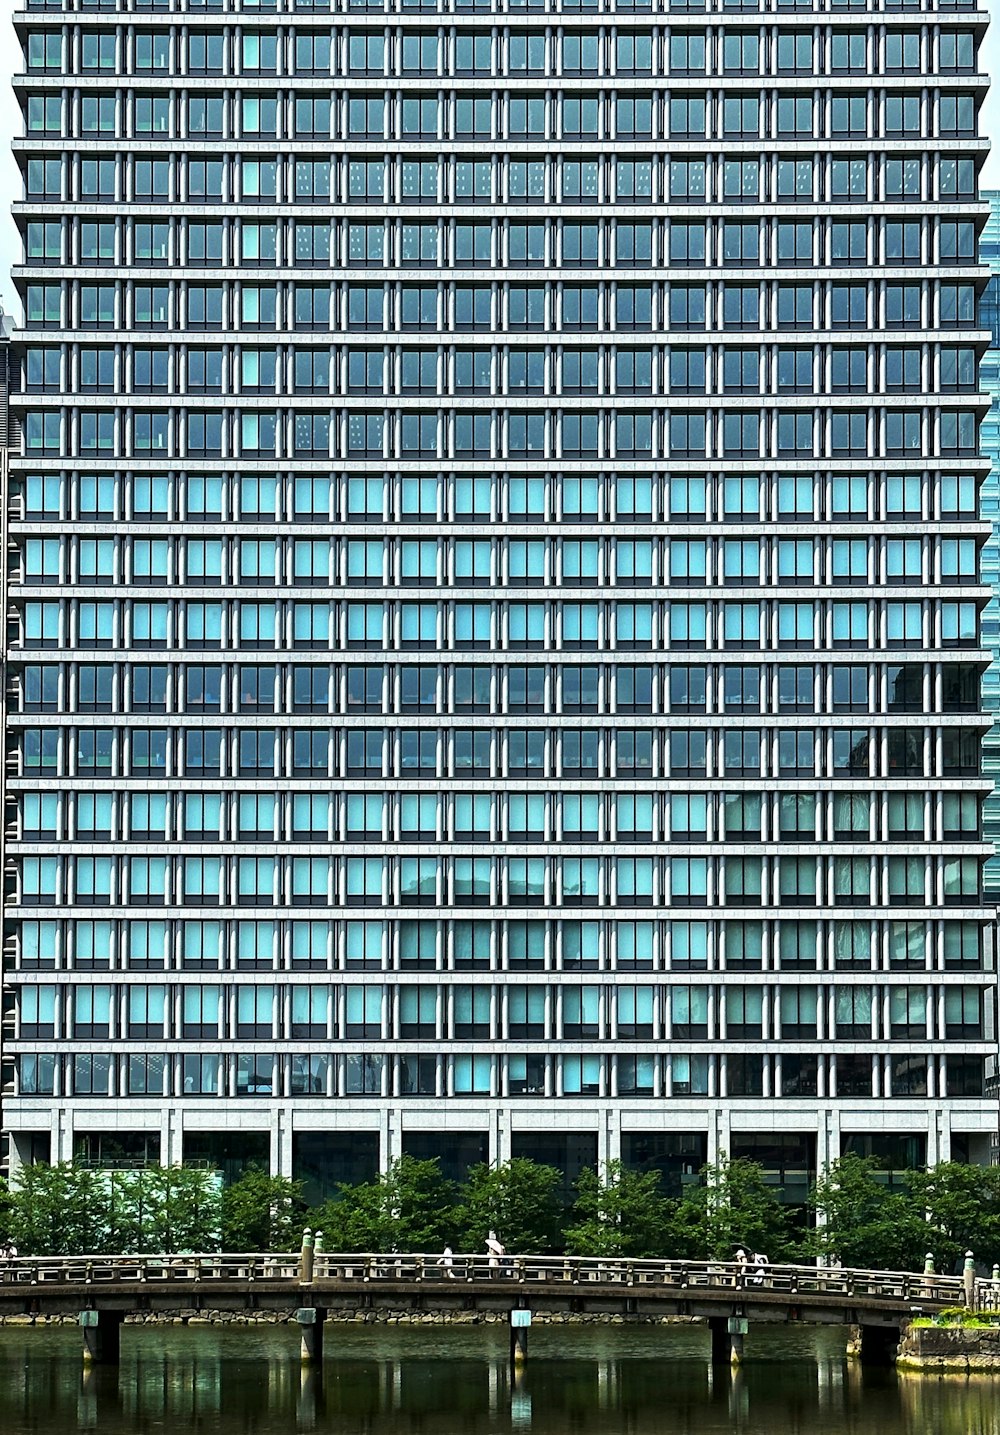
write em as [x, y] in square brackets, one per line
[314, 1285]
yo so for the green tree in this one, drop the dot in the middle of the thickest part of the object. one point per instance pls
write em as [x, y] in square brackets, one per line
[519, 1200]
[410, 1207]
[732, 1206]
[865, 1224]
[175, 1208]
[962, 1206]
[262, 1213]
[58, 1210]
[619, 1213]
[6, 1209]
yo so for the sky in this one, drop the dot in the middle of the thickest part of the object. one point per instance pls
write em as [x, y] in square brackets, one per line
[10, 124]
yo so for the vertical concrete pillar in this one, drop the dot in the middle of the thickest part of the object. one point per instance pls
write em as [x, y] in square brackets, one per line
[719, 1133]
[307, 1258]
[281, 1143]
[310, 1322]
[62, 1135]
[390, 1137]
[172, 1137]
[610, 1144]
[520, 1324]
[101, 1336]
[969, 1281]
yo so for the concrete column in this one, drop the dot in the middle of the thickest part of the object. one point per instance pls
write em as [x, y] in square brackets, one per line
[101, 1335]
[520, 1322]
[172, 1138]
[281, 1143]
[500, 1136]
[719, 1133]
[310, 1322]
[610, 1142]
[62, 1135]
[390, 1137]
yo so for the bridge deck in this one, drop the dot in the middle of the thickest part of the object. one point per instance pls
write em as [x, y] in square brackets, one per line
[426, 1282]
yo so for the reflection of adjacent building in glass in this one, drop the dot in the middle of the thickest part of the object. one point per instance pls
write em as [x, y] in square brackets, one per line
[989, 502]
[492, 643]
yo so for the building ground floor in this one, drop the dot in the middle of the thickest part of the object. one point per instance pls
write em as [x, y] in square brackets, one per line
[324, 1146]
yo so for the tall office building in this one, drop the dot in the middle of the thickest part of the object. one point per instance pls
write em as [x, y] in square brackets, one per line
[494, 649]
[989, 507]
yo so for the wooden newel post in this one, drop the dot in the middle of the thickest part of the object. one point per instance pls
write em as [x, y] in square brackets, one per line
[929, 1264]
[306, 1259]
[520, 1324]
[969, 1281]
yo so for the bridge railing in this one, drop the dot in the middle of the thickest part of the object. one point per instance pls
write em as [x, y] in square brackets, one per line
[715, 1276]
[525, 1272]
[148, 1269]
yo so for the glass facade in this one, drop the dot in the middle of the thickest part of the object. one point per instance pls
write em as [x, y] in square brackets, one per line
[494, 603]
[989, 503]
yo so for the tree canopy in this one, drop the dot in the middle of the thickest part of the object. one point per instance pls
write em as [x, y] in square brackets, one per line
[863, 1217]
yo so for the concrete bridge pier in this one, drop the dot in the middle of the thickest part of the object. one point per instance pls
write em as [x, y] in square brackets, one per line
[728, 1333]
[874, 1344]
[101, 1336]
[310, 1321]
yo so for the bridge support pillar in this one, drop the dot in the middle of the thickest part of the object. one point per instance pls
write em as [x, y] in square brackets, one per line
[874, 1344]
[101, 1336]
[520, 1324]
[310, 1322]
[728, 1333]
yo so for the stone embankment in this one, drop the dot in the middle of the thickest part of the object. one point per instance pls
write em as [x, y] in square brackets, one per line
[949, 1349]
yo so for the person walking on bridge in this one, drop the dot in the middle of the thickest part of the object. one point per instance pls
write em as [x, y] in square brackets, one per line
[494, 1249]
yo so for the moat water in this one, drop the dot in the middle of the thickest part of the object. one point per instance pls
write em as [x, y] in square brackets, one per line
[400, 1380]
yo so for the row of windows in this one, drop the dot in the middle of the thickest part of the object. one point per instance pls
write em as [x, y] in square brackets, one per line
[408, 7]
[498, 307]
[308, 752]
[499, 498]
[499, 817]
[427, 946]
[875, 50]
[489, 881]
[511, 627]
[484, 562]
[346, 115]
[177, 431]
[679, 1075]
[428, 1012]
[555, 242]
[537, 752]
[504, 179]
[613, 369]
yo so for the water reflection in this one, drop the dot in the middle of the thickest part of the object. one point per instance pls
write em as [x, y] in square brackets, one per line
[436, 1381]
